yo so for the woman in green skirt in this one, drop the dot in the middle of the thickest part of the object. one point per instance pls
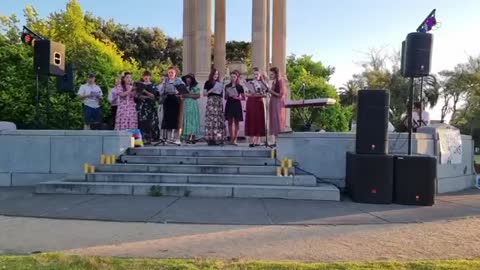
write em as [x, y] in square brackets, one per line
[191, 115]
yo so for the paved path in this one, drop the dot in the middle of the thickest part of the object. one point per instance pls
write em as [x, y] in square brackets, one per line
[21, 202]
[310, 231]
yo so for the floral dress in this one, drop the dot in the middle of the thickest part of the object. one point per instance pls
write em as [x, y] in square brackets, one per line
[214, 116]
[147, 114]
[126, 112]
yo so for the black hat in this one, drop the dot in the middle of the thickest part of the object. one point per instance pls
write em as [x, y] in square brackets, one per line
[91, 75]
[192, 77]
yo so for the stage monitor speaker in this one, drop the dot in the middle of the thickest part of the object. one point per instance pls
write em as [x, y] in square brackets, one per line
[369, 178]
[49, 58]
[66, 83]
[372, 122]
[415, 180]
[418, 54]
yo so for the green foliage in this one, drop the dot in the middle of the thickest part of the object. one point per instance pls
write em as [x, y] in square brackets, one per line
[376, 75]
[462, 84]
[155, 191]
[315, 76]
[84, 51]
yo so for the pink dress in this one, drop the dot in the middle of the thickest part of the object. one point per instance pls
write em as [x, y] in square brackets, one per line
[277, 108]
[126, 113]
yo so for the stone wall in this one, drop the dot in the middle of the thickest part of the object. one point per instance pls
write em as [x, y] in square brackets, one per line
[28, 157]
[323, 154]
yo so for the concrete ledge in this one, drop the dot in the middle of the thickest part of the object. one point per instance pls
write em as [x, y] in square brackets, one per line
[5, 179]
[190, 169]
[27, 132]
[185, 190]
[322, 192]
[198, 160]
[199, 152]
[31, 179]
[299, 180]
[456, 183]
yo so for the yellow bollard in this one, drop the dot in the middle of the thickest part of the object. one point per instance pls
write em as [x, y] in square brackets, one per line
[284, 162]
[86, 168]
[132, 142]
[103, 159]
[289, 163]
[279, 171]
[285, 172]
[108, 160]
[113, 159]
[92, 169]
[273, 154]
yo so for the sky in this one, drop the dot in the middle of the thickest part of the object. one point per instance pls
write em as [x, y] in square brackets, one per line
[338, 33]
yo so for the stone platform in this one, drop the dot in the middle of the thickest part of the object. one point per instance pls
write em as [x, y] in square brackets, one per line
[195, 171]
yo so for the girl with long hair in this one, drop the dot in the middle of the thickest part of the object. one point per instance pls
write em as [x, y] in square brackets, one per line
[255, 126]
[277, 104]
[126, 111]
[214, 117]
[234, 94]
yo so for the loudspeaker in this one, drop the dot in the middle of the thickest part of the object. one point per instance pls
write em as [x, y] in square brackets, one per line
[66, 83]
[369, 178]
[418, 54]
[402, 59]
[372, 122]
[415, 180]
[49, 58]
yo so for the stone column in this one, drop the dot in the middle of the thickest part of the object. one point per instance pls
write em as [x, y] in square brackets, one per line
[219, 54]
[203, 33]
[259, 34]
[279, 37]
[268, 34]
[188, 36]
[203, 50]
[279, 43]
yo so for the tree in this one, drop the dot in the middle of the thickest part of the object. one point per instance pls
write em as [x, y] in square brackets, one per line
[464, 84]
[349, 93]
[314, 75]
[376, 75]
[82, 49]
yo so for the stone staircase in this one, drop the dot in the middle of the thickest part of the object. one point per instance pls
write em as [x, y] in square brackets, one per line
[199, 171]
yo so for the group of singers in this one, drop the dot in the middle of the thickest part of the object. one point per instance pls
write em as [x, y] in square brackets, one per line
[134, 106]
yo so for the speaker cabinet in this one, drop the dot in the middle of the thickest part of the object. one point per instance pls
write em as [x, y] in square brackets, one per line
[49, 58]
[418, 54]
[66, 83]
[415, 180]
[369, 178]
[372, 122]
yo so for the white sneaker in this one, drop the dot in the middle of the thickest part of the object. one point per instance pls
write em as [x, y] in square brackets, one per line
[177, 142]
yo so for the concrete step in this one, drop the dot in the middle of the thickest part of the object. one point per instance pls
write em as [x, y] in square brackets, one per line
[190, 169]
[325, 192]
[198, 160]
[227, 151]
[224, 179]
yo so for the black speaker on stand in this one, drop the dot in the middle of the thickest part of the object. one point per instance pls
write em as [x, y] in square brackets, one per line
[49, 58]
[66, 83]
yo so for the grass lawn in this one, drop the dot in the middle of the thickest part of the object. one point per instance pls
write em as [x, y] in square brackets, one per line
[58, 261]
[477, 159]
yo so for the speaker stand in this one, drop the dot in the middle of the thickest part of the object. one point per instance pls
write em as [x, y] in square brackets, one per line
[410, 117]
[37, 105]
